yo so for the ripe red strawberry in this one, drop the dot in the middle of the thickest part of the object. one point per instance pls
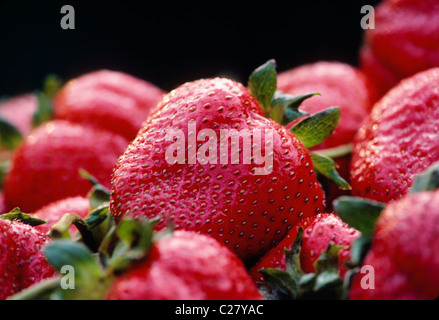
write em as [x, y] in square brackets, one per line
[107, 99]
[54, 211]
[318, 233]
[339, 84]
[227, 200]
[405, 39]
[22, 262]
[19, 111]
[45, 166]
[403, 260]
[399, 139]
[186, 266]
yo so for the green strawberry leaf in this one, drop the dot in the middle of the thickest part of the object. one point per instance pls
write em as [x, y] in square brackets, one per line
[98, 196]
[134, 239]
[263, 82]
[97, 216]
[327, 167]
[10, 136]
[45, 111]
[17, 215]
[4, 169]
[284, 108]
[360, 213]
[52, 84]
[337, 152]
[428, 180]
[359, 249]
[89, 279]
[316, 128]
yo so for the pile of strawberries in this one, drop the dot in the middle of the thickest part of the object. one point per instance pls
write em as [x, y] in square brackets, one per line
[320, 182]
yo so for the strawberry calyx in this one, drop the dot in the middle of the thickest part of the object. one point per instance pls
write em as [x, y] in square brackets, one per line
[17, 215]
[311, 130]
[294, 284]
[45, 112]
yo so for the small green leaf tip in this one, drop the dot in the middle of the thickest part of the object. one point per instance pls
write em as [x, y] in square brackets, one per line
[428, 180]
[360, 213]
[17, 215]
[316, 128]
[10, 136]
[263, 83]
[327, 167]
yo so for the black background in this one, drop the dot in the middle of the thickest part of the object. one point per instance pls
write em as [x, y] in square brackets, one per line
[170, 42]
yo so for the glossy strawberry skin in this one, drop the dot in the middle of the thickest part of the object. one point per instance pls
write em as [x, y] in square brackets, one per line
[54, 211]
[45, 166]
[247, 212]
[319, 232]
[22, 262]
[186, 266]
[109, 100]
[398, 140]
[404, 252]
[405, 39]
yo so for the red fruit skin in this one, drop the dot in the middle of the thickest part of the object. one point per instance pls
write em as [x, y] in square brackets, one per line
[340, 85]
[186, 266]
[404, 251]
[398, 140]
[319, 232]
[54, 211]
[383, 78]
[19, 111]
[107, 99]
[22, 261]
[247, 212]
[45, 166]
[406, 36]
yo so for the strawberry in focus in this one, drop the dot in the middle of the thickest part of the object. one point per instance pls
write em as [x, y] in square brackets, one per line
[247, 212]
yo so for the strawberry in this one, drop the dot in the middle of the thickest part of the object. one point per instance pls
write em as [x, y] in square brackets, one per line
[247, 206]
[53, 212]
[398, 140]
[318, 233]
[22, 262]
[186, 266]
[402, 262]
[338, 84]
[107, 99]
[45, 166]
[405, 39]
